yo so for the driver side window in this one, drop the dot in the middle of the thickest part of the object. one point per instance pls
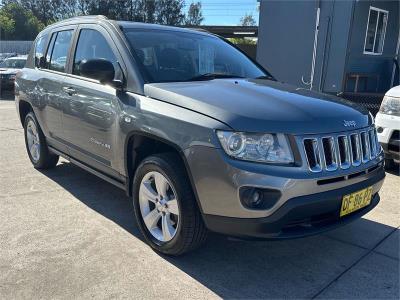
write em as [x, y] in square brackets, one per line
[93, 45]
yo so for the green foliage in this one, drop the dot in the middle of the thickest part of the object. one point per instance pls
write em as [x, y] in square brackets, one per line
[242, 41]
[6, 24]
[17, 23]
[194, 15]
[169, 12]
[46, 11]
[23, 19]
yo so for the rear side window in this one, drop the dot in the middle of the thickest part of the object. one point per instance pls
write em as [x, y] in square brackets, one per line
[40, 49]
[93, 45]
[58, 50]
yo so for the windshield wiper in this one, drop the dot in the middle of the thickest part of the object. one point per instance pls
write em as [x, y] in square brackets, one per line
[210, 76]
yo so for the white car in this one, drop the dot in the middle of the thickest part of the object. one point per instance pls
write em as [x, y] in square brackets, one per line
[388, 126]
[9, 69]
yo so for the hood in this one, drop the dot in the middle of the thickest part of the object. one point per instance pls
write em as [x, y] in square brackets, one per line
[8, 71]
[262, 105]
[394, 92]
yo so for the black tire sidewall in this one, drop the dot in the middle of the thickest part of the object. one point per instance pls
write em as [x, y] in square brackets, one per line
[43, 153]
[156, 164]
[389, 164]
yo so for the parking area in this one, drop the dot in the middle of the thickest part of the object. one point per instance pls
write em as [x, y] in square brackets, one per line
[64, 233]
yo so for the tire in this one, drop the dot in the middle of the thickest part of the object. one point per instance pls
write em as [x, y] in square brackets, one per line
[389, 164]
[188, 226]
[39, 154]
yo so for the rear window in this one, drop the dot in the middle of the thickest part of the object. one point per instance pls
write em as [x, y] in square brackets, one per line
[13, 63]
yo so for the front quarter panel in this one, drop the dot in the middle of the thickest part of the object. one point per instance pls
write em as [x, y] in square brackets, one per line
[178, 126]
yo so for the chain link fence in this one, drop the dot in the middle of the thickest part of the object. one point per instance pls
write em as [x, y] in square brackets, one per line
[372, 102]
[19, 47]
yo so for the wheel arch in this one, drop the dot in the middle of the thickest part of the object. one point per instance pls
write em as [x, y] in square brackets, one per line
[151, 144]
[24, 107]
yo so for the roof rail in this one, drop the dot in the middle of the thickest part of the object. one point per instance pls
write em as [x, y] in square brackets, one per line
[87, 17]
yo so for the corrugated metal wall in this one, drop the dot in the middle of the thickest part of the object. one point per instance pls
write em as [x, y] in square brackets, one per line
[286, 38]
[20, 47]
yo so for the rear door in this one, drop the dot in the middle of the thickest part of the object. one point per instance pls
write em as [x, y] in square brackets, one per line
[91, 108]
[49, 86]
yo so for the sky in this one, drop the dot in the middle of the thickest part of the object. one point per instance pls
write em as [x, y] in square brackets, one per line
[225, 12]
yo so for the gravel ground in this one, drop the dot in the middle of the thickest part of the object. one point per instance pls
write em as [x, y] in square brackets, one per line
[66, 234]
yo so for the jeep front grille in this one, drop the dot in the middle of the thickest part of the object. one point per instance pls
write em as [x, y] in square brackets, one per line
[341, 151]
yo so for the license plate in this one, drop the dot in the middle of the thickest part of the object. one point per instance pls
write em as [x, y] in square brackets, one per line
[355, 201]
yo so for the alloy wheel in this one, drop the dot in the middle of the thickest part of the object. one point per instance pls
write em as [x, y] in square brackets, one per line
[32, 136]
[159, 206]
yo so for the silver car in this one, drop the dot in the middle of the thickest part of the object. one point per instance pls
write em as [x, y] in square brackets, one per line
[202, 137]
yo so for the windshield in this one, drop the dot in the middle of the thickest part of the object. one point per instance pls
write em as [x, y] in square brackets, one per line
[168, 56]
[13, 63]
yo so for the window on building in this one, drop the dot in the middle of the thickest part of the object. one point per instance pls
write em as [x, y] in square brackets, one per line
[376, 29]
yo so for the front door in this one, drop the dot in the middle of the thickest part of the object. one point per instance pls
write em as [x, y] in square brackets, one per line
[90, 109]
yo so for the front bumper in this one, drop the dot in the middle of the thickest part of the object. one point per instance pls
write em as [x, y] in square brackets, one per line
[305, 198]
[300, 216]
[388, 135]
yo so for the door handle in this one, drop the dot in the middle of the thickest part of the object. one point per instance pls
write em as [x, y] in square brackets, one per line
[69, 90]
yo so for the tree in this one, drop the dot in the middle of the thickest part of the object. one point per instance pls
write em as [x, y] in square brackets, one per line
[6, 26]
[169, 12]
[242, 41]
[247, 20]
[82, 7]
[72, 8]
[46, 11]
[194, 15]
[17, 23]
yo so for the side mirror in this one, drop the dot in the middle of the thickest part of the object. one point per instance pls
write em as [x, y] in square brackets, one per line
[99, 69]
[42, 62]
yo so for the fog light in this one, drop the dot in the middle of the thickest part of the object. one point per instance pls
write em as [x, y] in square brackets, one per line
[256, 198]
[379, 129]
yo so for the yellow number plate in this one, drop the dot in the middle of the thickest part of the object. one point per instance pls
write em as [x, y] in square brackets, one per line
[355, 201]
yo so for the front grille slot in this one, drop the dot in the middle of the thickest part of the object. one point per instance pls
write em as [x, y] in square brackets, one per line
[312, 151]
[355, 149]
[342, 151]
[366, 151]
[373, 143]
[330, 156]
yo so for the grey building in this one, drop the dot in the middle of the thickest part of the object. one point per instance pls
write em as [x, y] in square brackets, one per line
[334, 46]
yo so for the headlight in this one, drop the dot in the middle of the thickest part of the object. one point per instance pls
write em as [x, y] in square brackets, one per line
[390, 106]
[267, 147]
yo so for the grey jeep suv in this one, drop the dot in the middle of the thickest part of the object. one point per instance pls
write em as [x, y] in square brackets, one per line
[201, 136]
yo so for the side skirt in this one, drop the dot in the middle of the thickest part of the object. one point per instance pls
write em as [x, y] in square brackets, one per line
[122, 185]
